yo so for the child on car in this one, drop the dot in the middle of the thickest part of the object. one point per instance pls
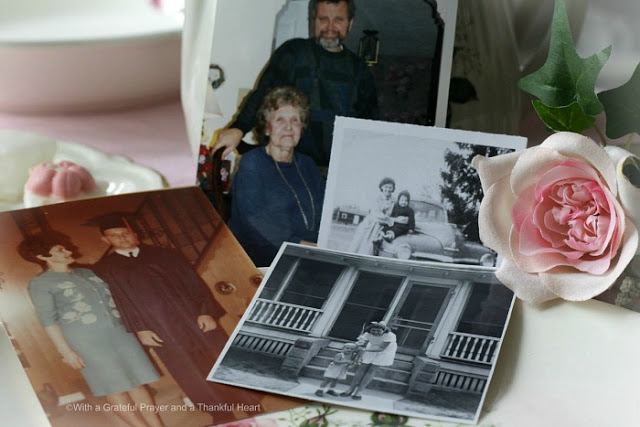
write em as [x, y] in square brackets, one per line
[400, 209]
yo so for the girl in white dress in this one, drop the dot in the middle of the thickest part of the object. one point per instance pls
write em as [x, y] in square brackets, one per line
[337, 369]
[379, 350]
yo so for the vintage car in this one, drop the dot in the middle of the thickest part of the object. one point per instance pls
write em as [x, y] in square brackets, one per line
[435, 239]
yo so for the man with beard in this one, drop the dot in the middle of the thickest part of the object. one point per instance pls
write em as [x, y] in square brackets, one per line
[336, 81]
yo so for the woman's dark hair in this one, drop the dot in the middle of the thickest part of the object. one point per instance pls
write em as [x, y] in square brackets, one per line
[406, 194]
[313, 10]
[41, 244]
[379, 325]
[386, 180]
[279, 97]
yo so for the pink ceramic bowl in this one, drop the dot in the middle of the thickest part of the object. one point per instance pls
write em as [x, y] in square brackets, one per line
[64, 56]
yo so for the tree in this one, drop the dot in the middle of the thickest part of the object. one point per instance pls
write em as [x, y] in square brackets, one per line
[461, 189]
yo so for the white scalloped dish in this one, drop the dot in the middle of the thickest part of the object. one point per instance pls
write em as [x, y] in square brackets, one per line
[113, 174]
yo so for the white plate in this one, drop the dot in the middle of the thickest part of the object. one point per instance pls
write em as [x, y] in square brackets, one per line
[113, 174]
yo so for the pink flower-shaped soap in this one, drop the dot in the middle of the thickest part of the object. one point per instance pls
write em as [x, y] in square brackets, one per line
[57, 182]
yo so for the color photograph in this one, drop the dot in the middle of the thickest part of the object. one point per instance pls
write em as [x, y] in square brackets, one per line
[118, 307]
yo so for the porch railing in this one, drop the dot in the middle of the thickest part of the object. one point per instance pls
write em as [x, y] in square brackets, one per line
[284, 315]
[470, 348]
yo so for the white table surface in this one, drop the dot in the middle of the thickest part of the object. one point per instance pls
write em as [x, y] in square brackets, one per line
[568, 364]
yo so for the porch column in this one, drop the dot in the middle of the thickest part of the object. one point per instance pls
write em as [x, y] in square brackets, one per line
[450, 319]
[334, 302]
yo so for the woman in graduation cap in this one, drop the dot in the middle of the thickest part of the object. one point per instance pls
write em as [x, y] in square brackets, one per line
[77, 312]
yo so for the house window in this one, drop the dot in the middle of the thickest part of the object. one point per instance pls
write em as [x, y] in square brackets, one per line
[278, 276]
[368, 301]
[311, 283]
[486, 310]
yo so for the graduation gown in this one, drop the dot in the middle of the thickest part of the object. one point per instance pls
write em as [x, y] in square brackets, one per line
[160, 291]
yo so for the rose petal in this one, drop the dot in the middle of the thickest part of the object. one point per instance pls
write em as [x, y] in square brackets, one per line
[580, 147]
[541, 261]
[494, 169]
[533, 163]
[523, 206]
[494, 216]
[629, 194]
[528, 287]
[571, 285]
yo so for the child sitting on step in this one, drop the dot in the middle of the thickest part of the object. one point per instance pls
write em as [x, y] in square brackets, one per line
[337, 369]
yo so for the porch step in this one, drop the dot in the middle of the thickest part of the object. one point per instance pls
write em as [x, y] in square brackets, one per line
[394, 378]
[326, 355]
[381, 381]
[388, 372]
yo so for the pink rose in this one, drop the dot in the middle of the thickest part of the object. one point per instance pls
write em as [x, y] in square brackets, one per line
[561, 215]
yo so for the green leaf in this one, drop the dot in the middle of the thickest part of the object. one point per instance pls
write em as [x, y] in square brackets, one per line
[566, 77]
[570, 118]
[622, 107]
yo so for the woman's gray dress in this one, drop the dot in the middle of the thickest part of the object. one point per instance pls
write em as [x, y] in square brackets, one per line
[80, 302]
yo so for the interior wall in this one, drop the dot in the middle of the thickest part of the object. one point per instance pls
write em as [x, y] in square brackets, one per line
[242, 44]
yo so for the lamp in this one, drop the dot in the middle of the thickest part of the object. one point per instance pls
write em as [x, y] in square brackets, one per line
[211, 106]
[369, 47]
[215, 79]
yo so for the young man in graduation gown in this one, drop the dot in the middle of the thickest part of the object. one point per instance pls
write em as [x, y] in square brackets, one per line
[166, 303]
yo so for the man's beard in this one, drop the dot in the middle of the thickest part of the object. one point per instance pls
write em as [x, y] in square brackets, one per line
[331, 43]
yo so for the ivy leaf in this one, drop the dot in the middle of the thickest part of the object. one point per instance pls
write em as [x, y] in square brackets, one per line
[570, 118]
[566, 77]
[622, 107]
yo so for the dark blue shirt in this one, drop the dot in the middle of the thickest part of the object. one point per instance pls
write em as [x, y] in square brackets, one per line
[336, 83]
[264, 210]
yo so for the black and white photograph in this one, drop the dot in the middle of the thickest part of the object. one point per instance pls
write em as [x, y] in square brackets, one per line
[407, 192]
[400, 337]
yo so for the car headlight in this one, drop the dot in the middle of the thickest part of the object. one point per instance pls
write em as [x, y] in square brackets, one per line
[404, 252]
[488, 260]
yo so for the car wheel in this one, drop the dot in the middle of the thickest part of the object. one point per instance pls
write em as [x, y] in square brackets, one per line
[404, 252]
[488, 260]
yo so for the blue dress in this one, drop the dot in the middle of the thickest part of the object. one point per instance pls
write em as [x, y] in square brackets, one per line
[264, 210]
[81, 304]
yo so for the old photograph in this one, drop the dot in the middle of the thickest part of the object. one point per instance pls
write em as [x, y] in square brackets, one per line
[407, 192]
[400, 337]
[118, 307]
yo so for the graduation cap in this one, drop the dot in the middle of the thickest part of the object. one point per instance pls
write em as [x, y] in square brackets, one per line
[112, 220]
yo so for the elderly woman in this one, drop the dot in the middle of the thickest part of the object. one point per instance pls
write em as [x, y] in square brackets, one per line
[277, 193]
[77, 312]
